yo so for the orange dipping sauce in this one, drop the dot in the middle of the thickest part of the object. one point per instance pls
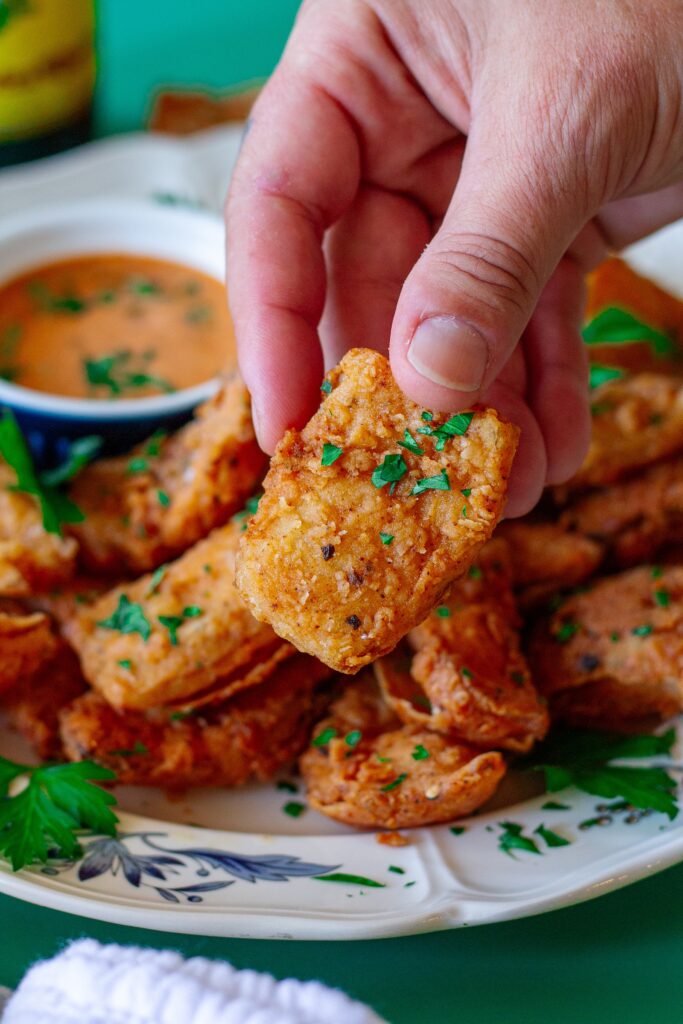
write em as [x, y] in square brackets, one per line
[114, 326]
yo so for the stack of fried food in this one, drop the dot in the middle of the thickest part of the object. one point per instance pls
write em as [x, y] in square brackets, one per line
[183, 636]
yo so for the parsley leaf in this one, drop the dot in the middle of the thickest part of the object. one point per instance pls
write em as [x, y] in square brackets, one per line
[598, 375]
[512, 838]
[433, 483]
[294, 808]
[394, 783]
[324, 737]
[549, 837]
[340, 876]
[79, 453]
[353, 738]
[128, 617]
[326, 387]
[386, 538]
[56, 804]
[118, 373]
[330, 454]
[390, 471]
[456, 426]
[410, 444]
[420, 753]
[615, 326]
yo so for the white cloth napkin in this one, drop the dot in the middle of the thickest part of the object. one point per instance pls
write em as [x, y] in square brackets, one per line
[92, 984]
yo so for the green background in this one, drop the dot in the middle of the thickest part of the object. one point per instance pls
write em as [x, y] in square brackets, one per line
[616, 959]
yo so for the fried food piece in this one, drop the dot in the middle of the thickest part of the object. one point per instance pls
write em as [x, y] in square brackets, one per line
[636, 518]
[26, 642]
[636, 421]
[33, 706]
[614, 283]
[394, 776]
[547, 556]
[63, 603]
[183, 113]
[31, 559]
[313, 561]
[252, 736]
[618, 646]
[147, 507]
[462, 673]
[219, 645]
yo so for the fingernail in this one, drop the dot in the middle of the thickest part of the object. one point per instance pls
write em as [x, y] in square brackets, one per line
[446, 351]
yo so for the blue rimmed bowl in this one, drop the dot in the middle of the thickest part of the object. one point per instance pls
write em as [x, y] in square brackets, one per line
[136, 227]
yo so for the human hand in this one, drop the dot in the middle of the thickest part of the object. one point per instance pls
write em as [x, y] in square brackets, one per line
[434, 177]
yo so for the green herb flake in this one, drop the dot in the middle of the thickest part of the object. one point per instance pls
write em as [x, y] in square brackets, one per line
[330, 454]
[157, 577]
[456, 426]
[143, 286]
[137, 465]
[119, 372]
[353, 738]
[51, 811]
[474, 572]
[656, 572]
[427, 416]
[394, 783]
[566, 631]
[433, 483]
[614, 638]
[512, 838]
[153, 446]
[615, 326]
[78, 454]
[172, 624]
[410, 444]
[466, 491]
[396, 870]
[443, 611]
[125, 663]
[163, 499]
[466, 673]
[386, 538]
[662, 598]
[457, 830]
[643, 630]
[138, 749]
[390, 471]
[420, 753]
[324, 737]
[554, 805]
[598, 375]
[47, 302]
[294, 808]
[326, 387]
[550, 838]
[129, 617]
[345, 879]
[464, 511]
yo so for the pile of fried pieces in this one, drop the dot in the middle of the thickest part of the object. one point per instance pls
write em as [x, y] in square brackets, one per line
[367, 616]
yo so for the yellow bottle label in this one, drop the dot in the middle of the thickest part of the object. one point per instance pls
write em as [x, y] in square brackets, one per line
[47, 64]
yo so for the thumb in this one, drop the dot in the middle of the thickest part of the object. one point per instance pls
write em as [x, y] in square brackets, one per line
[469, 297]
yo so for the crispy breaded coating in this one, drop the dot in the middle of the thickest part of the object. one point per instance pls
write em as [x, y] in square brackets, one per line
[614, 283]
[133, 661]
[636, 421]
[33, 706]
[147, 507]
[31, 559]
[634, 518]
[315, 561]
[622, 640]
[547, 557]
[462, 673]
[26, 642]
[65, 602]
[392, 775]
[252, 736]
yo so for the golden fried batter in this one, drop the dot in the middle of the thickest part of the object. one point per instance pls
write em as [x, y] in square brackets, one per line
[33, 706]
[65, 602]
[253, 735]
[462, 673]
[636, 421]
[218, 643]
[376, 773]
[147, 507]
[26, 642]
[634, 518]
[30, 558]
[618, 645]
[343, 567]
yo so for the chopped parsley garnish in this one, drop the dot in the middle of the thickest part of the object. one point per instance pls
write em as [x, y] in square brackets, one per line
[326, 387]
[153, 446]
[583, 759]
[163, 499]
[55, 507]
[172, 623]
[420, 753]
[353, 738]
[294, 808]
[79, 453]
[330, 454]
[614, 638]
[457, 830]
[324, 737]
[549, 837]
[662, 598]
[394, 782]
[443, 611]
[137, 465]
[340, 876]
[45, 300]
[52, 810]
[512, 838]
[119, 372]
[386, 538]
[125, 663]
[157, 577]
[396, 870]
[643, 630]
[456, 426]
[553, 805]
[390, 471]
[464, 511]
[143, 286]
[466, 673]
[466, 491]
[598, 375]
[566, 631]
[138, 748]
[474, 572]
[433, 483]
[427, 416]
[129, 617]
[656, 572]
[192, 611]
[614, 326]
[410, 444]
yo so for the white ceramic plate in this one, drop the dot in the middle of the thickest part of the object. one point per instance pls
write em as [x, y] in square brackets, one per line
[233, 863]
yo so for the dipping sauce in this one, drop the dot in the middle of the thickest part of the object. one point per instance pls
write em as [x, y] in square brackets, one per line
[114, 326]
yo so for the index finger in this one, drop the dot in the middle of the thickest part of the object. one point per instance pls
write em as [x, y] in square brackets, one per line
[298, 171]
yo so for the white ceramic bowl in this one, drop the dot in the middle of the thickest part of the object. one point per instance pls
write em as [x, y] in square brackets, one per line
[141, 228]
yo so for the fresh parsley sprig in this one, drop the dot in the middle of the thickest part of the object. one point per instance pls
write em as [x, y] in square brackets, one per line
[586, 760]
[55, 507]
[58, 802]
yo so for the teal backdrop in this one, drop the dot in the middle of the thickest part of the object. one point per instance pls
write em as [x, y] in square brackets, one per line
[615, 960]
